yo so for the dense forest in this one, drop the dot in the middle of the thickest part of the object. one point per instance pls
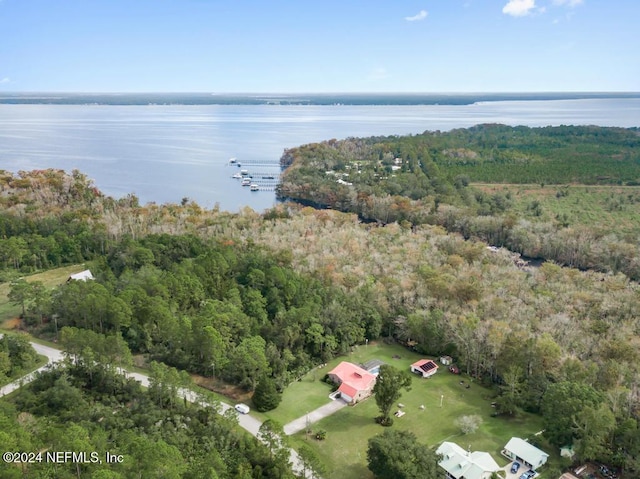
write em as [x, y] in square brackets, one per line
[17, 357]
[207, 307]
[428, 179]
[90, 408]
[249, 297]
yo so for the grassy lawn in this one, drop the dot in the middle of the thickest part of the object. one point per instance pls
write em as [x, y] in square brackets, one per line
[345, 449]
[311, 392]
[301, 397]
[49, 278]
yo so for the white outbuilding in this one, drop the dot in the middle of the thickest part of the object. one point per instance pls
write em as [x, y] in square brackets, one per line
[520, 450]
[81, 276]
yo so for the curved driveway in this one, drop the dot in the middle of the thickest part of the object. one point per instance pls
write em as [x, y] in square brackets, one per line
[314, 416]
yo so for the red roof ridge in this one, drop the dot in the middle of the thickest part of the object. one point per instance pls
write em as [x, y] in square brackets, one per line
[353, 376]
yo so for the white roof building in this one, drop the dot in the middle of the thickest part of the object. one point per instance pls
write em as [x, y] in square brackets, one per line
[520, 450]
[459, 463]
[81, 276]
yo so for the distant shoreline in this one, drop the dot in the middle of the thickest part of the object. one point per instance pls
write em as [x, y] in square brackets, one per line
[318, 99]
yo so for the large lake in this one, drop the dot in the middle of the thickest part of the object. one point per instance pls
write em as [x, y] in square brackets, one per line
[165, 153]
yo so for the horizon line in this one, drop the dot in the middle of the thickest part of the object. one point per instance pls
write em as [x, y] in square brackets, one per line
[490, 92]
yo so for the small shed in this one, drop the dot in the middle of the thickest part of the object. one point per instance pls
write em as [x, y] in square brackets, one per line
[446, 360]
[425, 368]
[567, 451]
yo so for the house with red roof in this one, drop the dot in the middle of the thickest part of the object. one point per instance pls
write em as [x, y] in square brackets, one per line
[425, 368]
[355, 383]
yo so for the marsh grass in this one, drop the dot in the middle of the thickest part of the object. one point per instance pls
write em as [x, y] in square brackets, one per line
[605, 208]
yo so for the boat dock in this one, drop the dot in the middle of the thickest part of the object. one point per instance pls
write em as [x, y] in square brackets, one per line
[264, 185]
[269, 164]
[265, 178]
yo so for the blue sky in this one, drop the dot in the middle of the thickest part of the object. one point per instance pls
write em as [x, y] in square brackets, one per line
[319, 46]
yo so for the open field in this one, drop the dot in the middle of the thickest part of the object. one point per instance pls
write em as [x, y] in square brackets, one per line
[345, 449]
[49, 278]
[610, 207]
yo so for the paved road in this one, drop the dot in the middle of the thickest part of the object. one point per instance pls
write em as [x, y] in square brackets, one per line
[246, 421]
[328, 409]
[9, 388]
[53, 356]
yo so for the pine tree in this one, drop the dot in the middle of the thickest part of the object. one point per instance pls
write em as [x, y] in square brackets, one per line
[266, 397]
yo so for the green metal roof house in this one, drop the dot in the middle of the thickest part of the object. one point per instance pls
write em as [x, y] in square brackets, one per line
[459, 463]
[520, 450]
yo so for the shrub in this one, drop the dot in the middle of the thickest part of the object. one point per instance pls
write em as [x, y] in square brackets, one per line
[469, 424]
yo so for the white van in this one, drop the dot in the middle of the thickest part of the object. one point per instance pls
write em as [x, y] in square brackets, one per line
[242, 408]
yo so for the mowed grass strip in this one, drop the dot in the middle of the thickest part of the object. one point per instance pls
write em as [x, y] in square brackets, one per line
[348, 431]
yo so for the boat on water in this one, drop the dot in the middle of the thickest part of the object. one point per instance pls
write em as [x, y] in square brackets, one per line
[269, 177]
[233, 161]
[244, 172]
[237, 176]
[246, 182]
[254, 187]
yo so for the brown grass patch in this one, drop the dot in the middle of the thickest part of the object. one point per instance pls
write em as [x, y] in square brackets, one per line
[139, 361]
[14, 323]
[218, 386]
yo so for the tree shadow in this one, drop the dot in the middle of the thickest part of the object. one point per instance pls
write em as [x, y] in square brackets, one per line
[357, 470]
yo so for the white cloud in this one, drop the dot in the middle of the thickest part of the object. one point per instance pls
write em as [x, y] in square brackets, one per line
[5, 79]
[519, 8]
[568, 3]
[421, 15]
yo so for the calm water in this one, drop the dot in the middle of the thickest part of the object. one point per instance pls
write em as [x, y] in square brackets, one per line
[165, 153]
